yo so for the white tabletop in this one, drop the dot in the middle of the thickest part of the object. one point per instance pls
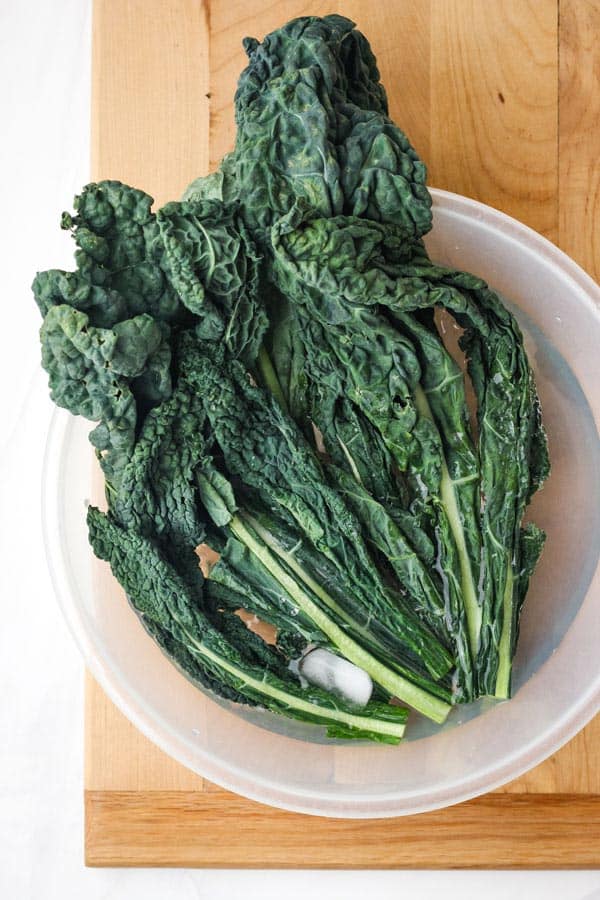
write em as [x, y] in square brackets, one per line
[44, 149]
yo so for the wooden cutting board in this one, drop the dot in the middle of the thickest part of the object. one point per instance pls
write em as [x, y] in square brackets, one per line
[501, 99]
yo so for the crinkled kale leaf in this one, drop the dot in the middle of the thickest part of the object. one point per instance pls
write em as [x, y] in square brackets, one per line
[274, 398]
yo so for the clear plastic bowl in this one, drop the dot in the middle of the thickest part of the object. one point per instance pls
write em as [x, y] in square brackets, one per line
[557, 670]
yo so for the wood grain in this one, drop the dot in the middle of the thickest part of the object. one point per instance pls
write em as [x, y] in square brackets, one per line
[119, 758]
[493, 115]
[178, 828]
[501, 98]
[579, 133]
[150, 104]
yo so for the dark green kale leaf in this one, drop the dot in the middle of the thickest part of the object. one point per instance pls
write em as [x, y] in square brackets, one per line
[158, 491]
[284, 348]
[267, 453]
[120, 248]
[173, 487]
[213, 265]
[106, 338]
[364, 394]
[132, 269]
[413, 576]
[90, 370]
[312, 124]
[344, 415]
[238, 580]
[313, 264]
[103, 306]
[220, 653]
[154, 384]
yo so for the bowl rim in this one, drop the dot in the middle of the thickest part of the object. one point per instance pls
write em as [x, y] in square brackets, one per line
[300, 799]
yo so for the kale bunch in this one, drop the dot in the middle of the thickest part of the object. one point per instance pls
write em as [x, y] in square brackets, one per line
[268, 379]
[335, 198]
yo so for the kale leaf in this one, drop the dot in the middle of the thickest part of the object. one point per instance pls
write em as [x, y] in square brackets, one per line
[224, 656]
[269, 383]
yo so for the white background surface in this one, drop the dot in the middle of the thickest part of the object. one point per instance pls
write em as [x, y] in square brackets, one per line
[44, 148]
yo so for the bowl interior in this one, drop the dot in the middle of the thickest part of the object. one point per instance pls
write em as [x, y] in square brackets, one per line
[556, 674]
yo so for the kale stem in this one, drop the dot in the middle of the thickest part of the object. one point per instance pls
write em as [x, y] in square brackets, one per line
[398, 686]
[269, 377]
[290, 560]
[448, 496]
[365, 723]
[502, 690]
